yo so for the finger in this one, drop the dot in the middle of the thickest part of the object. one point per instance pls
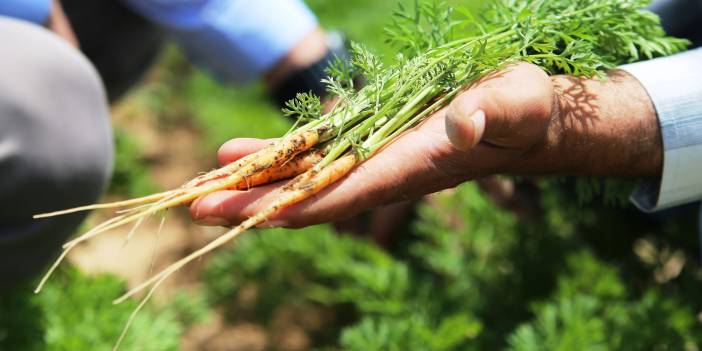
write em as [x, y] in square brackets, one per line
[371, 184]
[503, 110]
[235, 149]
[229, 207]
[403, 170]
[465, 132]
[475, 115]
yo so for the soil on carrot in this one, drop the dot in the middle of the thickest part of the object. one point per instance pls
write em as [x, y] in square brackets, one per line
[173, 154]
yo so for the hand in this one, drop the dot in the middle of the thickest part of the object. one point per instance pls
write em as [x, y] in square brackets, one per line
[59, 24]
[517, 121]
[310, 49]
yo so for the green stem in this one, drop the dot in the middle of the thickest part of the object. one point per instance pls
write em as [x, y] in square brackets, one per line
[405, 113]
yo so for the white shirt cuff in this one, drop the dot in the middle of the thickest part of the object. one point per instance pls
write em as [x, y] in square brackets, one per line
[674, 85]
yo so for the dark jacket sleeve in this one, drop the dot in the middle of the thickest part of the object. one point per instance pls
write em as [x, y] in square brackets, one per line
[681, 18]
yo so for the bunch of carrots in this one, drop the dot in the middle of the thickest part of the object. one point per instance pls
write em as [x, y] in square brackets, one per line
[441, 55]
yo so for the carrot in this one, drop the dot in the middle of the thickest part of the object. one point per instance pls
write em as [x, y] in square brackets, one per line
[277, 155]
[306, 185]
[130, 202]
[302, 187]
[273, 163]
[298, 165]
[271, 175]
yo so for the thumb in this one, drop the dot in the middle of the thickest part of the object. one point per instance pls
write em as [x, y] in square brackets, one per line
[466, 119]
[512, 110]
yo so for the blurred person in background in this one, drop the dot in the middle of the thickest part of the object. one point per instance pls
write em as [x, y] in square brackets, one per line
[63, 61]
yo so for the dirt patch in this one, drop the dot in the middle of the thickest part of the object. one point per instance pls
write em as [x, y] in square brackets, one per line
[146, 253]
[217, 335]
[172, 160]
[174, 155]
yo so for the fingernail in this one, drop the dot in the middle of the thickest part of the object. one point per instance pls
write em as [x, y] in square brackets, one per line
[456, 129]
[272, 224]
[478, 119]
[452, 131]
[212, 221]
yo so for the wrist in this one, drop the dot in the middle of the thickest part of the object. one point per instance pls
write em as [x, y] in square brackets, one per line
[312, 48]
[601, 127]
[58, 23]
[308, 75]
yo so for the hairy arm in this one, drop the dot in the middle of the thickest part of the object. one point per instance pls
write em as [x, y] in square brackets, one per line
[599, 127]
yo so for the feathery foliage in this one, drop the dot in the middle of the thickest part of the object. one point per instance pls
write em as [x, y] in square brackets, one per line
[75, 313]
[470, 276]
[443, 50]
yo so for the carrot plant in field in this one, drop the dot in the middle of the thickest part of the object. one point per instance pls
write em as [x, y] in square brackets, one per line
[440, 53]
[469, 276]
[74, 313]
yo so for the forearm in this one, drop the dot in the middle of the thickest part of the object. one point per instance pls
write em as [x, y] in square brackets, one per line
[59, 24]
[601, 127]
[312, 48]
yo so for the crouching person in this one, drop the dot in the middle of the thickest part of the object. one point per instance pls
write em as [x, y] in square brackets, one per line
[55, 144]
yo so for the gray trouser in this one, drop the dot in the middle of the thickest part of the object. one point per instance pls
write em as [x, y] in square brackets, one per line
[55, 144]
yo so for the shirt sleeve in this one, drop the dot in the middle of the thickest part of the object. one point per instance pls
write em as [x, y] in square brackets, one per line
[236, 40]
[36, 11]
[674, 85]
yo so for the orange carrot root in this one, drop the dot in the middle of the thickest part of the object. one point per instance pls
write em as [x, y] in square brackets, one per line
[130, 202]
[305, 185]
[287, 158]
[272, 163]
[298, 165]
[271, 174]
